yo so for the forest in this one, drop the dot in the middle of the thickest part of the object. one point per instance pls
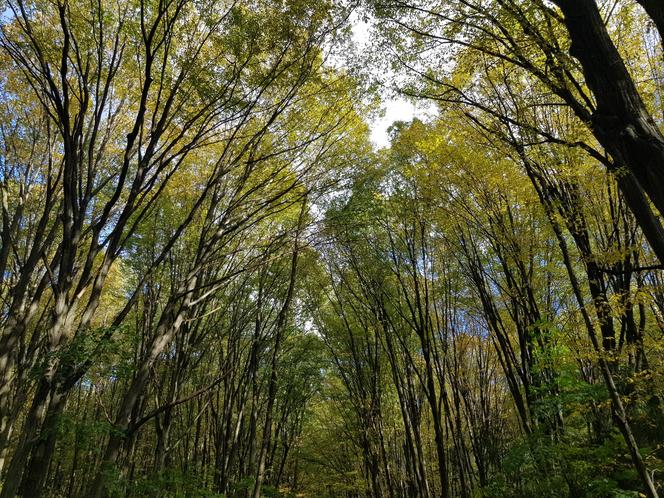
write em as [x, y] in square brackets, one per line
[215, 283]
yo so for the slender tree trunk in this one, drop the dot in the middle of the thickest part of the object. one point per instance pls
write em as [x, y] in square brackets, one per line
[280, 327]
[170, 321]
[618, 409]
[29, 435]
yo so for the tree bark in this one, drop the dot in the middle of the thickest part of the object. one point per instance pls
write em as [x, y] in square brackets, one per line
[621, 122]
[272, 387]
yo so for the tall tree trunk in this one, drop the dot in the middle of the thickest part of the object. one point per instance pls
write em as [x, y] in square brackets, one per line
[280, 327]
[170, 322]
[621, 121]
[617, 406]
[35, 472]
[29, 435]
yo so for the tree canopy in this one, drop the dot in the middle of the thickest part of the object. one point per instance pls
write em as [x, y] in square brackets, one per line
[213, 284]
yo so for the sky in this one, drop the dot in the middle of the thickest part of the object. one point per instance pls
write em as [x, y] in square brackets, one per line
[393, 108]
[396, 109]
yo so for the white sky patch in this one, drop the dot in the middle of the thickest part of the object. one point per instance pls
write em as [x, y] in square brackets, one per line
[393, 110]
[393, 107]
[361, 30]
